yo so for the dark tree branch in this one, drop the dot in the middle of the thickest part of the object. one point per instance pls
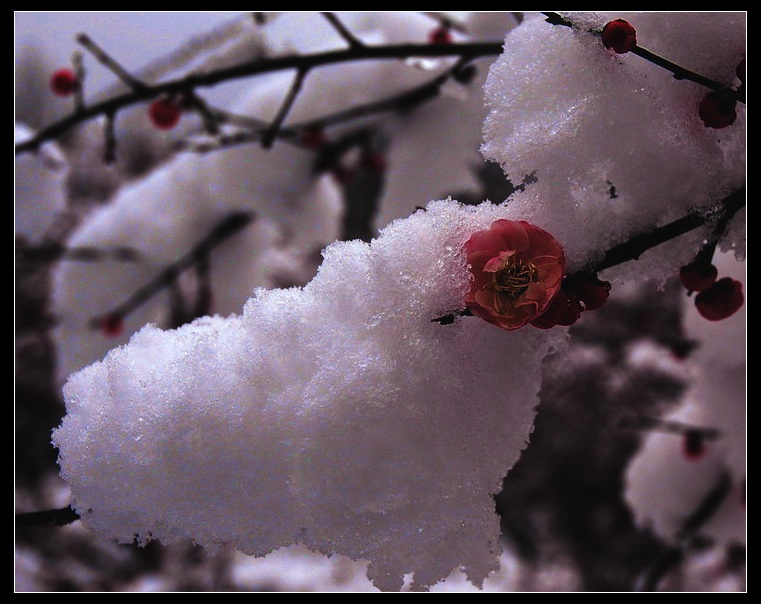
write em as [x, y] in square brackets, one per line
[679, 72]
[403, 102]
[220, 233]
[53, 252]
[58, 517]
[691, 526]
[268, 137]
[637, 245]
[669, 426]
[349, 37]
[194, 81]
[106, 60]
[634, 247]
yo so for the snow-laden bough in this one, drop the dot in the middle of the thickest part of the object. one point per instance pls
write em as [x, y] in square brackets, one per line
[338, 415]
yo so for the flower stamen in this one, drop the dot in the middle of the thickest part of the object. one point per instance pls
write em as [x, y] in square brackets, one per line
[510, 281]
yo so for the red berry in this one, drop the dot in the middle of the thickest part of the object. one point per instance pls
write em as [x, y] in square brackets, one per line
[721, 300]
[373, 162]
[619, 35]
[440, 35]
[313, 137]
[165, 113]
[64, 82]
[112, 325]
[697, 276]
[717, 109]
[693, 445]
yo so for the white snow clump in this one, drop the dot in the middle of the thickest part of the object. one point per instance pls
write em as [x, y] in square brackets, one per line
[337, 415]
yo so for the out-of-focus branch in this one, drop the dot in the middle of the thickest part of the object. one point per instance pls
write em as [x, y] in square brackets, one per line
[302, 63]
[702, 513]
[350, 38]
[53, 252]
[108, 61]
[198, 254]
[403, 102]
[57, 517]
[268, 137]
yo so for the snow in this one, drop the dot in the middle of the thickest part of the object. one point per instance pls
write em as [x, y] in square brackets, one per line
[585, 119]
[384, 437]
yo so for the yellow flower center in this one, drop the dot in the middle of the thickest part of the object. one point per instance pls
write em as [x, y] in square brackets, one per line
[511, 281]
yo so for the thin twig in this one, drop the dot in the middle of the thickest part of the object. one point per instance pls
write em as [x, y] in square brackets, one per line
[349, 37]
[260, 66]
[80, 74]
[208, 115]
[57, 517]
[635, 246]
[679, 72]
[108, 61]
[268, 137]
[109, 147]
[220, 233]
[55, 251]
[404, 102]
[703, 512]
[669, 426]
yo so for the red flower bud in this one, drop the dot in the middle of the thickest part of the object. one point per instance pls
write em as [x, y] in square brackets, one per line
[697, 276]
[373, 162]
[313, 137]
[164, 113]
[589, 290]
[564, 310]
[721, 300]
[517, 270]
[64, 82]
[693, 445]
[619, 35]
[112, 325]
[440, 35]
[717, 109]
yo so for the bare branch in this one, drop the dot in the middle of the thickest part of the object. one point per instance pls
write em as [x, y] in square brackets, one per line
[201, 80]
[220, 233]
[350, 38]
[268, 136]
[57, 517]
[679, 72]
[634, 247]
[108, 61]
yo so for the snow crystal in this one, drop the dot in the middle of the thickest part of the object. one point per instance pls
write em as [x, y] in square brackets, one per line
[338, 415]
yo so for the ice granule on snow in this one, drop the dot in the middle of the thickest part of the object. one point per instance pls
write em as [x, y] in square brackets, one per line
[337, 415]
[615, 141]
